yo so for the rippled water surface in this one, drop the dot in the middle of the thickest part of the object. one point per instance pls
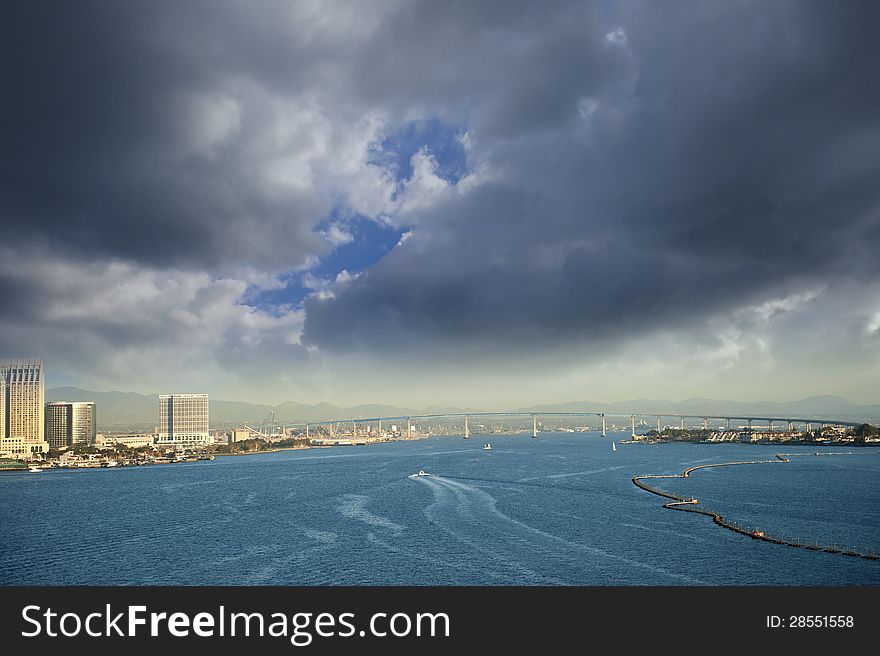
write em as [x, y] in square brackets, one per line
[560, 509]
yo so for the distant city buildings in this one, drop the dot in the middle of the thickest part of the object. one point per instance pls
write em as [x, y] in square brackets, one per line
[183, 420]
[69, 423]
[22, 393]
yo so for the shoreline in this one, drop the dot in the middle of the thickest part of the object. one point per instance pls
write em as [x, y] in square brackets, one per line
[26, 466]
[256, 453]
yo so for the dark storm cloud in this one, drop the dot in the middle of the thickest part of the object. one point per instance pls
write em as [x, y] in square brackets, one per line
[108, 141]
[631, 167]
[496, 65]
[734, 159]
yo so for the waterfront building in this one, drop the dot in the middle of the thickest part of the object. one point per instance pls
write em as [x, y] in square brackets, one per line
[57, 415]
[183, 420]
[130, 440]
[239, 435]
[22, 397]
[69, 423]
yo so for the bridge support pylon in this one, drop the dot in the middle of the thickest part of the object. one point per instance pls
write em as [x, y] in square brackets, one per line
[603, 425]
[633, 425]
[534, 425]
[408, 427]
[467, 431]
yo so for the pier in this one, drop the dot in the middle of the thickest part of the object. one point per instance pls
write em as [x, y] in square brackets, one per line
[690, 504]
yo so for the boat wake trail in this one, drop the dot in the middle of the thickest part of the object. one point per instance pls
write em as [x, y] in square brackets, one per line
[556, 477]
[514, 551]
[354, 506]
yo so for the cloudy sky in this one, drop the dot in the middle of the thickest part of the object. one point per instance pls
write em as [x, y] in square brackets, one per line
[417, 202]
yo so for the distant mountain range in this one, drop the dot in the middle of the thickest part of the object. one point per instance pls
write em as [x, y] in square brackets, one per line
[141, 411]
[128, 410]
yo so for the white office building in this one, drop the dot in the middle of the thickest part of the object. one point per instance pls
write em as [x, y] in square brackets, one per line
[183, 420]
[21, 408]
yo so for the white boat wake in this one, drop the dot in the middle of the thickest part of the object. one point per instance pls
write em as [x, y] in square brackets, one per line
[514, 549]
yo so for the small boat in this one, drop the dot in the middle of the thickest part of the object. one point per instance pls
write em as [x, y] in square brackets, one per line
[422, 472]
[35, 469]
[613, 446]
[487, 447]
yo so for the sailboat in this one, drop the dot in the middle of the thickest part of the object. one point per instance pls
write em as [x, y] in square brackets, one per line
[613, 446]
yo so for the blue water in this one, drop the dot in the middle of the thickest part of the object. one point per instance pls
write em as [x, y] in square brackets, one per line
[560, 509]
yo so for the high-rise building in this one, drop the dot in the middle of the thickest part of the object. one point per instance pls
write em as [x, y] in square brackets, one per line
[70, 422]
[58, 422]
[183, 420]
[21, 408]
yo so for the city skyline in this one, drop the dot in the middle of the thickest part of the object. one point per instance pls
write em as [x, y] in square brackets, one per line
[480, 205]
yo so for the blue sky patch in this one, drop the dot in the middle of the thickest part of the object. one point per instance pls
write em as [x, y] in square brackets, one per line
[441, 139]
[371, 242]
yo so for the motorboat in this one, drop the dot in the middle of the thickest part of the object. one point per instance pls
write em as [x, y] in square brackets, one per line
[35, 469]
[487, 447]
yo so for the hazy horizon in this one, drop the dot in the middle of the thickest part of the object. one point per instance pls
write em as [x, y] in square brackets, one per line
[393, 403]
[418, 203]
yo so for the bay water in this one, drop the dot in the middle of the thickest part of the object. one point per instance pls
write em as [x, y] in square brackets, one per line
[556, 510]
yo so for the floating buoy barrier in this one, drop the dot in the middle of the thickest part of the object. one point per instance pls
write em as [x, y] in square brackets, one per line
[689, 504]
